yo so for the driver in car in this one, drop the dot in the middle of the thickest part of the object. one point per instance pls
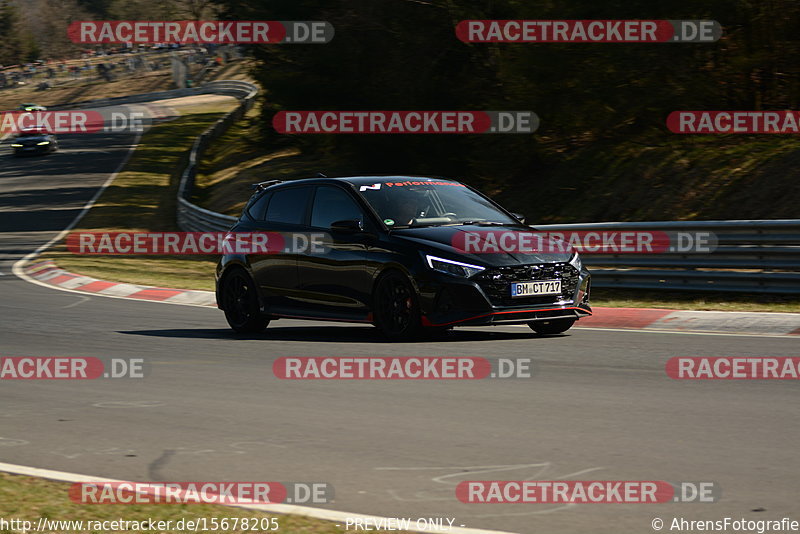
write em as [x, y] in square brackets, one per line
[406, 211]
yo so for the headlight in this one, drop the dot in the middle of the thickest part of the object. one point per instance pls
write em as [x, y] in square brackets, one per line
[453, 267]
[43, 143]
[576, 262]
[16, 145]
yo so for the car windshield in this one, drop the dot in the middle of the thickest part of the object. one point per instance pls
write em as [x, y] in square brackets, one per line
[428, 202]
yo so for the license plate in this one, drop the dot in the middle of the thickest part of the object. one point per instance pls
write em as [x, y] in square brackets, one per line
[535, 289]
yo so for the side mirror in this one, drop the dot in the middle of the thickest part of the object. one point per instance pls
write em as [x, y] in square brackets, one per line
[348, 226]
[519, 216]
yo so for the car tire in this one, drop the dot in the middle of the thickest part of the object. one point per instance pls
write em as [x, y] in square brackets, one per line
[396, 307]
[549, 328]
[240, 302]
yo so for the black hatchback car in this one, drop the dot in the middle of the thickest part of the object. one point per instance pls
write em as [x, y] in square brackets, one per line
[393, 255]
[34, 142]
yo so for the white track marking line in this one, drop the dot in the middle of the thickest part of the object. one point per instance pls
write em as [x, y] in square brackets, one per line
[306, 511]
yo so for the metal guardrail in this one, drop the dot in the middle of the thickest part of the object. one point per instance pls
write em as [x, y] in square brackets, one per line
[758, 256]
[192, 217]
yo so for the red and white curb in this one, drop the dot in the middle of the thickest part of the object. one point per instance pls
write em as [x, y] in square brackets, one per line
[649, 319]
[48, 273]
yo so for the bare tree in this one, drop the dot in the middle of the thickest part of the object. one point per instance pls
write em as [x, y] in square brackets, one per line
[142, 10]
[165, 10]
[46, 21]
[197, 9]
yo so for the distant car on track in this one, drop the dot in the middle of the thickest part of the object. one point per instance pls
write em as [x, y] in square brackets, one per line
[32, 107]
[391, 261]
[34, 142]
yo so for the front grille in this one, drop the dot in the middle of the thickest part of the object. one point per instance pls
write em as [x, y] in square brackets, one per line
[496, 282]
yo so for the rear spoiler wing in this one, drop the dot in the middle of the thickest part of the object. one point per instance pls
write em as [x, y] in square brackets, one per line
[260, 186]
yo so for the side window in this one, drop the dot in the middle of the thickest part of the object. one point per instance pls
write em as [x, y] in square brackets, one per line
[332, 204]
[258, 209]
[288, 205]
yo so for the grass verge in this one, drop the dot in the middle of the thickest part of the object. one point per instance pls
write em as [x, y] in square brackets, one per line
[29, 498]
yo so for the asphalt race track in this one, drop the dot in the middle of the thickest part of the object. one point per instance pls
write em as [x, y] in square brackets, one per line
[600, 405]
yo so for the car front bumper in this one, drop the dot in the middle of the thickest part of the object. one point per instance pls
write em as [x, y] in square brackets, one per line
[447, 300]
[32, 151]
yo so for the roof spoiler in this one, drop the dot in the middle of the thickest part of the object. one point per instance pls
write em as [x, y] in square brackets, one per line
[263, 185]
[260, 186]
